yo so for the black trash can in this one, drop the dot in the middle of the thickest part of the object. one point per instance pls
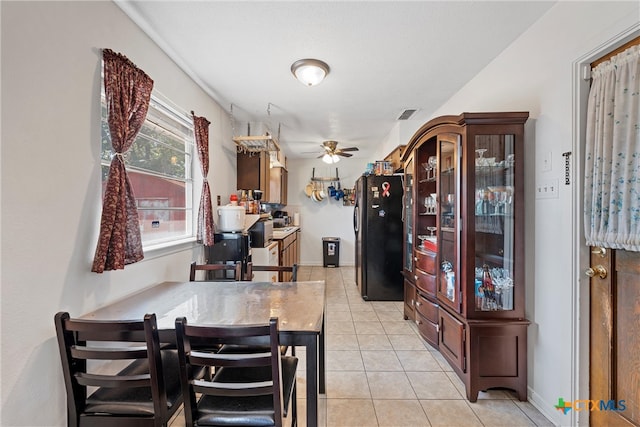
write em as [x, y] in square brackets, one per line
[331, 251]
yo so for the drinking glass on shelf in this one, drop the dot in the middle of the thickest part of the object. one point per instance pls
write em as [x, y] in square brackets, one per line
[501, 197]
[433, 164]
[480, 196]
[431, 230]
[508, 201]
[493, 200]
[481, 161]
[428, 170]
[451, 200]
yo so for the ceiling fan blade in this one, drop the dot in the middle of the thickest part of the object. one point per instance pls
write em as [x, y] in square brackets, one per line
[343, 154]
[348, 149]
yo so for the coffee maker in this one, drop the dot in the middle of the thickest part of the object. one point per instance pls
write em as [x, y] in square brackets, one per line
[257, 196]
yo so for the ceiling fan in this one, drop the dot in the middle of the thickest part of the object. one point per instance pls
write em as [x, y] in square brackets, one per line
[331, 152]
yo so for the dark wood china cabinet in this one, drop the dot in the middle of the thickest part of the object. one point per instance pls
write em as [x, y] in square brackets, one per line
[464, 245]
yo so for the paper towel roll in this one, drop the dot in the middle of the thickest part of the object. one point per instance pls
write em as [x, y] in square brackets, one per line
[296, 219]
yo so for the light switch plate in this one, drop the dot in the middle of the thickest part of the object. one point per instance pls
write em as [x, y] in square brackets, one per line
[546, 161]
[547, 189]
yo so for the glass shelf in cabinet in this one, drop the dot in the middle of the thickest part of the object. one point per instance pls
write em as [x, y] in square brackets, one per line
[422, 181]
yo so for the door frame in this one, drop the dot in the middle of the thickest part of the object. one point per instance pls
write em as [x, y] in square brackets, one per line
[580, 302]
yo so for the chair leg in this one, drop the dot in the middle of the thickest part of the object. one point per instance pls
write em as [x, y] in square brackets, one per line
[294, 404]
[294, 397]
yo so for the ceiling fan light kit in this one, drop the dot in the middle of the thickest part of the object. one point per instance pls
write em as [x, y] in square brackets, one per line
[310, 72]
[330, 158]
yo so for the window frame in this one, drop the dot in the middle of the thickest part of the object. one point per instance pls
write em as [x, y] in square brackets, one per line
[161, 105]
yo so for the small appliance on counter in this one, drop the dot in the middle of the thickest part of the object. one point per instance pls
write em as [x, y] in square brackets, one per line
[231, 218]
[281, 219]
[261, 233]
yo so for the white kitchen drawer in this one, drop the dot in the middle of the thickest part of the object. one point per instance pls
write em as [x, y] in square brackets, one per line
[265, 256]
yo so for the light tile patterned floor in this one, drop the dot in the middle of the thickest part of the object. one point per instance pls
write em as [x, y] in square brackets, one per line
[381, 373]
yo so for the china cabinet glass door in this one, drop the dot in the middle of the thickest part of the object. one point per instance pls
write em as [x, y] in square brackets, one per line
[449, 214]
[408, 214]
[494, 222]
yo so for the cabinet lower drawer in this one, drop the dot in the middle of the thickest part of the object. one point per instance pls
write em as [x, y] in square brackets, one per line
[409, 300]
[426, 282]
[427, 309]
[428, 330]
[426, 261]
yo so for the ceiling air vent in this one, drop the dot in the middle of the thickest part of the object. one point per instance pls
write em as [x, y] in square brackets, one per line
[406, 114]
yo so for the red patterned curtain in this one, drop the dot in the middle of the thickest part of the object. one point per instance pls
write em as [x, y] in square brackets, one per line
[205, 212]
[128, 91]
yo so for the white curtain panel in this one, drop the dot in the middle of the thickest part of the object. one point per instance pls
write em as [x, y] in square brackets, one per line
[612, 161]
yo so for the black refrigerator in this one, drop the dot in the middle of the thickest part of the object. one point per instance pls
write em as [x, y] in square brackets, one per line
[377, 222]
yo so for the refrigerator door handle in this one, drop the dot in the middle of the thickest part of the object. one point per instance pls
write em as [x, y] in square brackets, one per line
[355, 219]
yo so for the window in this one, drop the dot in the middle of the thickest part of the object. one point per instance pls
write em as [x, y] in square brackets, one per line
[159, 165]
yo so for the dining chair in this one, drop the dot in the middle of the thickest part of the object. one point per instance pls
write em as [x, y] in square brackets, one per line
[247, 389]
[235, 268]
[116, 373]
[293, 269]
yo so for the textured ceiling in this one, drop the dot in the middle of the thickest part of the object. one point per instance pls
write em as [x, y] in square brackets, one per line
[384, 57]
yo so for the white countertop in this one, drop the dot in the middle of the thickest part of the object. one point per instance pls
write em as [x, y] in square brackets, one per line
[281, 233]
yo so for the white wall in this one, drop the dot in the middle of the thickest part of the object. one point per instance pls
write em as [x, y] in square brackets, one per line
[328, 218]
[51, 192]
[535, 74]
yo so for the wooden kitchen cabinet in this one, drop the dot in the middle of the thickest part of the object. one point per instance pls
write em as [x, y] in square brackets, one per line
[464, 246]
[254, 172]
[278, 178]
[289, 249]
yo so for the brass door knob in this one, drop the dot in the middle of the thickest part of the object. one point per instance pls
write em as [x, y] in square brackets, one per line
[598, 270]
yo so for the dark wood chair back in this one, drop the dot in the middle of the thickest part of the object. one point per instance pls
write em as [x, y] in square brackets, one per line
[235, 268]
[250, 388]
[282, 271]
[145, 392]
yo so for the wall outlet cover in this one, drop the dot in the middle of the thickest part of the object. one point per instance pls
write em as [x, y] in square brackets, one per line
[547, 189]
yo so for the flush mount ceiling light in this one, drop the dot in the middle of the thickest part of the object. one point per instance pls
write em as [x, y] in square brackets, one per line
[310, 72]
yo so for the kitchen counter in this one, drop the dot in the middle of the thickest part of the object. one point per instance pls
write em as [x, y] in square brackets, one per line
[281, 233]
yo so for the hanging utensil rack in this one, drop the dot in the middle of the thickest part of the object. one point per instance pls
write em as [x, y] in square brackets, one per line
[258, 143]
[324, 179]
[255, 143]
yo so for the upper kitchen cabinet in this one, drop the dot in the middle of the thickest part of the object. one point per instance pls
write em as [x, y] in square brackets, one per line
[465, 245]
[278, 178]
[254, 172]
[263, 171]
